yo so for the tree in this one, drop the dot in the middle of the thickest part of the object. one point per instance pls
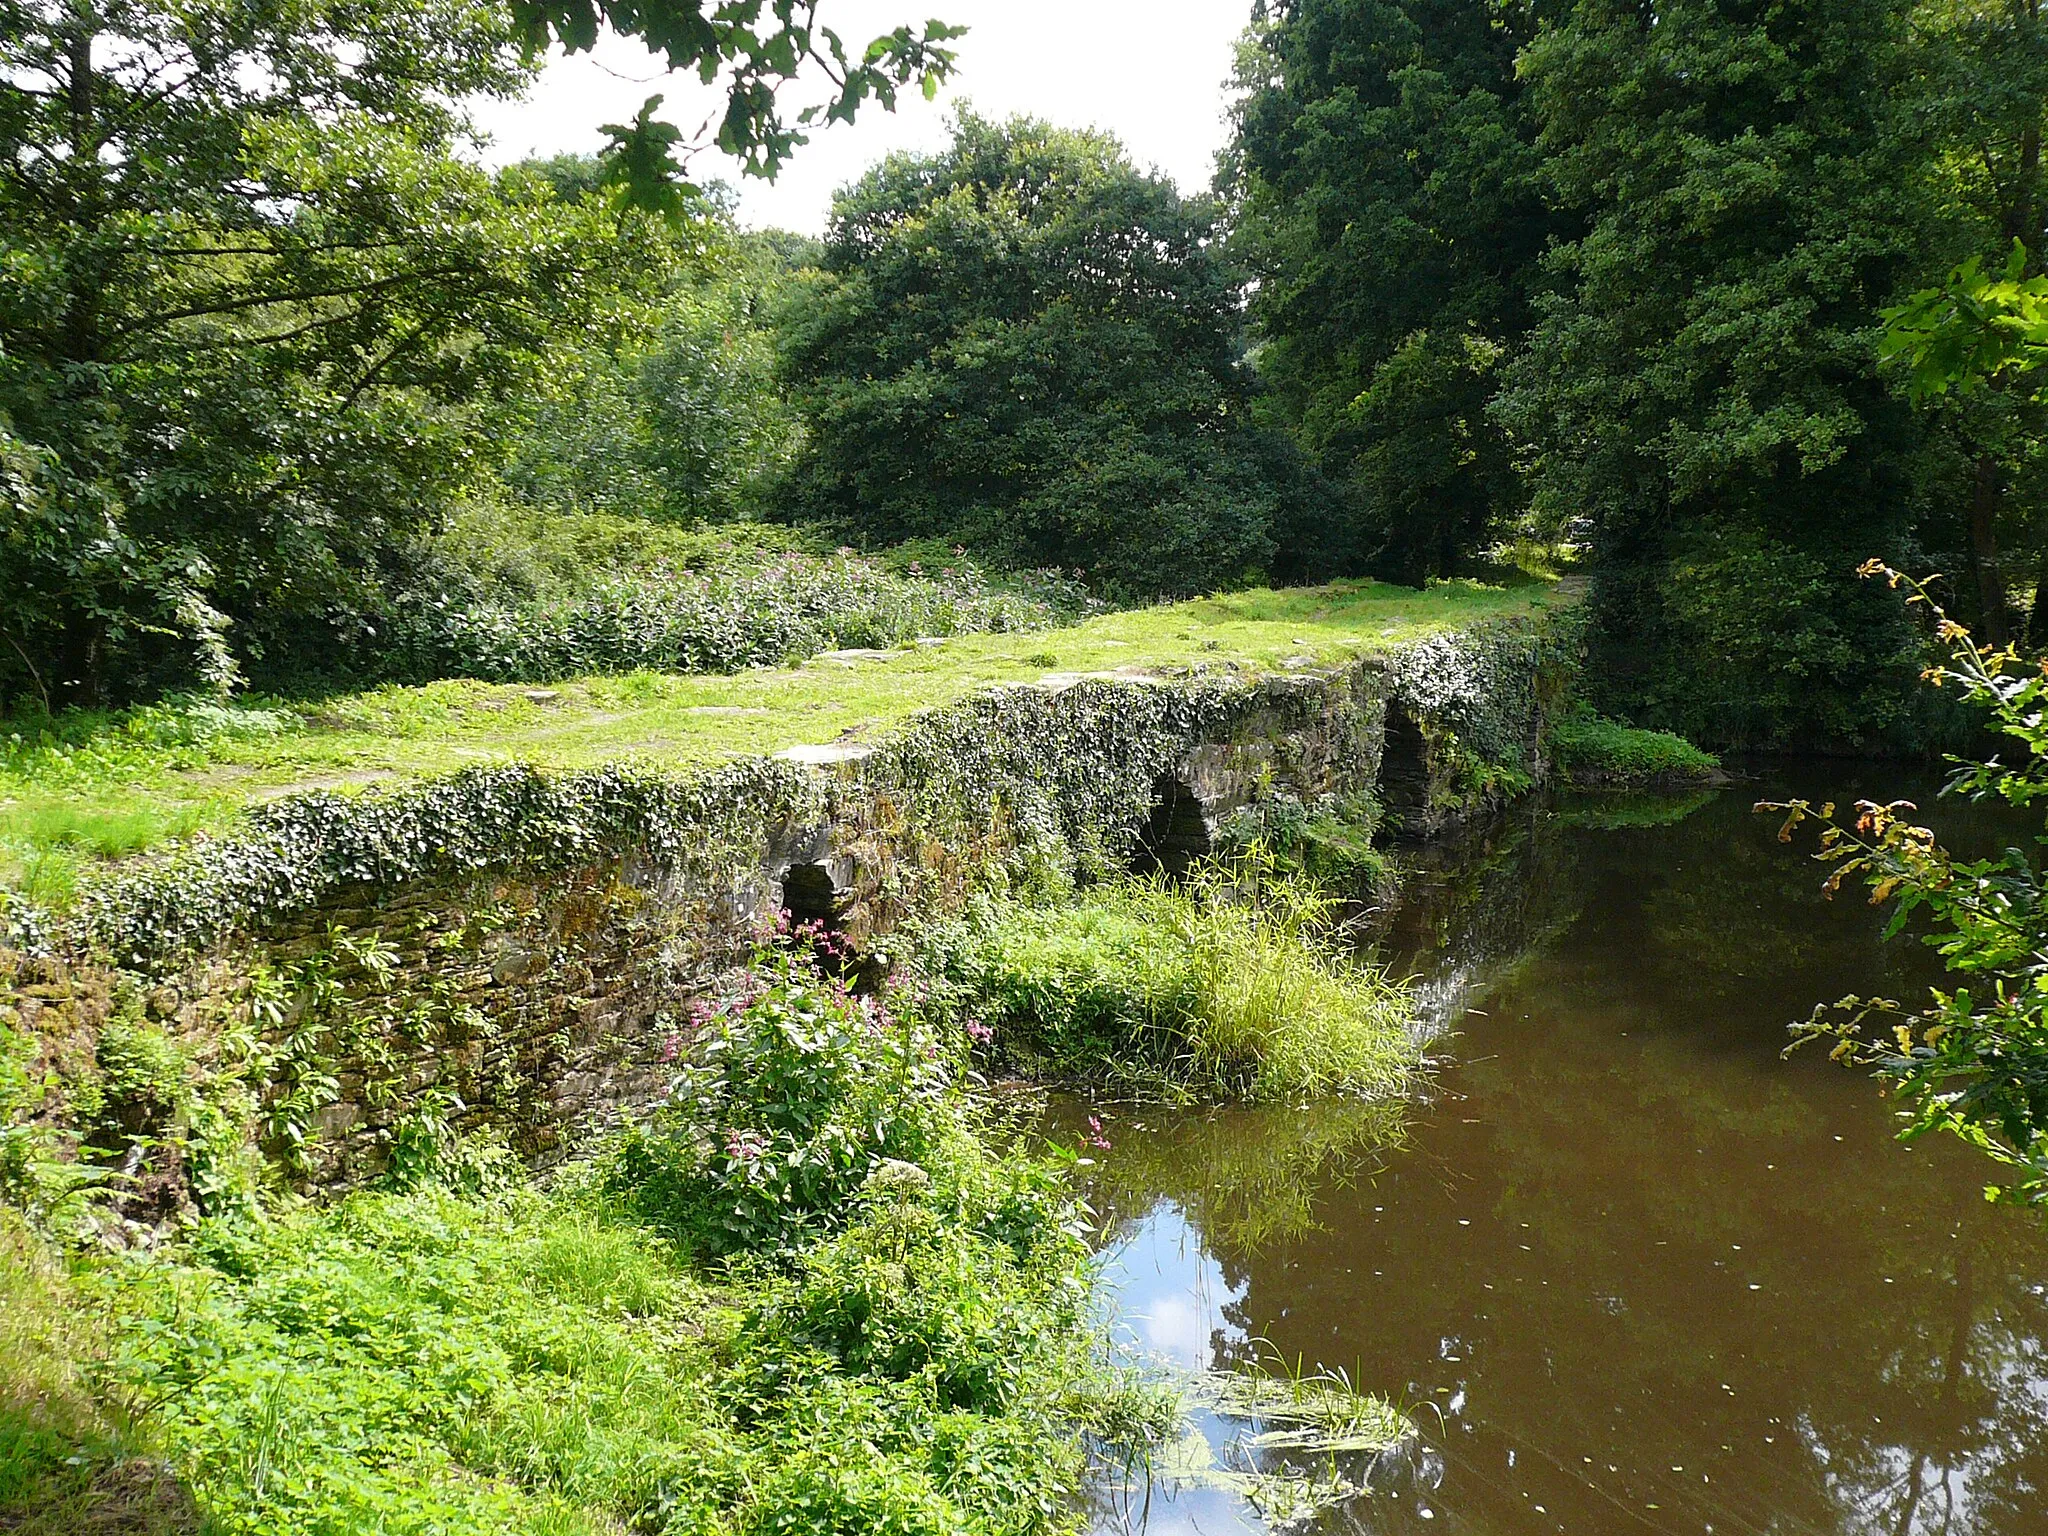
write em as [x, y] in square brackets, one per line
[1985, 87]
[758, 48]
[1025, 345]
[1390, 201]
[671, 410]
[1702, 388]
[250, 299]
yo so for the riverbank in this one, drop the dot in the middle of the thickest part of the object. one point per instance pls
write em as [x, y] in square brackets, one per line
[298, 1111]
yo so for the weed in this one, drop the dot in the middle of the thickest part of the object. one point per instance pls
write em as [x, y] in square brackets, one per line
[896, 1337]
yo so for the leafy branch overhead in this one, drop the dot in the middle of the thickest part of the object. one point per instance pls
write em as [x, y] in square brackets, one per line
[759, 47]
[1972, 1061]
[1976, 331]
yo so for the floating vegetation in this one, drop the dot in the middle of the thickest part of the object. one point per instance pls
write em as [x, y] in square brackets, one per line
[1290, 1445]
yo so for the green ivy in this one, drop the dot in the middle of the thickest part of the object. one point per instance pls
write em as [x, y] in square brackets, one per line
[1017, 778]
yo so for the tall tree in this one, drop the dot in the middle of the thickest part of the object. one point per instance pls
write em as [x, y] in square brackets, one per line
[1984, 67]
[1391, 204]
[249, 295]
[1024, 344]
[1703, 385]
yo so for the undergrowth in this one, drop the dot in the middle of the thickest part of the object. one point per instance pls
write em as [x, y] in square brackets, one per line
[1234, 984]
[814, 1295]
[1592, 748]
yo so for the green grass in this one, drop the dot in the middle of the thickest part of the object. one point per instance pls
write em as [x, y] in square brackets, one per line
[1591, 748]
[904, 1348]
[134, 779]
[1231, 987]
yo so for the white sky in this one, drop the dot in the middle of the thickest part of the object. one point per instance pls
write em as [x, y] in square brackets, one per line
[1150, 71]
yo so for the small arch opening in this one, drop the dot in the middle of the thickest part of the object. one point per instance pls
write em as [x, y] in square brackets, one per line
[1176, 834]
[1403, 782]
[810, 897]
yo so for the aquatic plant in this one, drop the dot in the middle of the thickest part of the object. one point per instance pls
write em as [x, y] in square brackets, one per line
[1291, 1442]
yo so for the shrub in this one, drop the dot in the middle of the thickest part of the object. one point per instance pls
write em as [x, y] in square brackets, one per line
[720, 619]
[794, 1094]
[509, 597]
[897, 1339]
[1590, 747]
[1234, 986]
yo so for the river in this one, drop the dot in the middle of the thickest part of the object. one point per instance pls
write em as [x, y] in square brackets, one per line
[1626, 1268]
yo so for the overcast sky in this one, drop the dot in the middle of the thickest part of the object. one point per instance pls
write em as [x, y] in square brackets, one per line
[1150, 71]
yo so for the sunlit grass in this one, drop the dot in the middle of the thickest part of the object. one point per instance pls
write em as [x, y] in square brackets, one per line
[1231, 986]
[134, 779]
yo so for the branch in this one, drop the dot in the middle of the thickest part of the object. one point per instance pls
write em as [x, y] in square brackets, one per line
[300, 296]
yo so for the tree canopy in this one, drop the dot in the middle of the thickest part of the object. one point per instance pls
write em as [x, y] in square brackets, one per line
[252, 297]
[1025, 345]
[1390, 202]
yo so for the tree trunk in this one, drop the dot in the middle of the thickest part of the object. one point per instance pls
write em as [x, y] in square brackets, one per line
[1984, 553]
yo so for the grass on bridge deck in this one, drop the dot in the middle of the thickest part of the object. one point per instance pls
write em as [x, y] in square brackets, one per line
[106, 785]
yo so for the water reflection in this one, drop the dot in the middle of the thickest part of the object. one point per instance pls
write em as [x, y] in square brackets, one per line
[1632, 1271]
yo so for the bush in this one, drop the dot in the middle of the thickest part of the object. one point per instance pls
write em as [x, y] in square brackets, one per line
[1235, 986]
[795, 1094]
[1589, 747]
[503, 601]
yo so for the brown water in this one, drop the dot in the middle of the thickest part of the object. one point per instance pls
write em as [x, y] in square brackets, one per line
[1630, 1270]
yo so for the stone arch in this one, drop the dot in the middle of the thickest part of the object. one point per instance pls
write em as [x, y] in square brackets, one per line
[1176, 833]
[811, 895]
[1402, 785]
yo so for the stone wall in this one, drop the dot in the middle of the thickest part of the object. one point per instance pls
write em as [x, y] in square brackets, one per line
[356, 976]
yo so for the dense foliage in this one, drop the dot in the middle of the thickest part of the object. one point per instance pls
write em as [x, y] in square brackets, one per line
[899, 1340]
[1591, 749]
[1971, 1062]
[1704, 382]
[265, 324]
[605, 594]
[1027, 346]
[1391, 203]
[252, 304]
[1236, 986]
[1616, 272]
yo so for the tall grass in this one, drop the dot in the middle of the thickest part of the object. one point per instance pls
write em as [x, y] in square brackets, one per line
[1594, 749]
[1233, 985]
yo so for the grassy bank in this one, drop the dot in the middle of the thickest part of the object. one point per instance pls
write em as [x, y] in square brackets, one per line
[1233, 986]
[1592, 750]
[99, 786]
[815, 1294]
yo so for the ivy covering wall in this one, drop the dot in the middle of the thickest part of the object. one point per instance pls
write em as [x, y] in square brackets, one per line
[348, 975]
